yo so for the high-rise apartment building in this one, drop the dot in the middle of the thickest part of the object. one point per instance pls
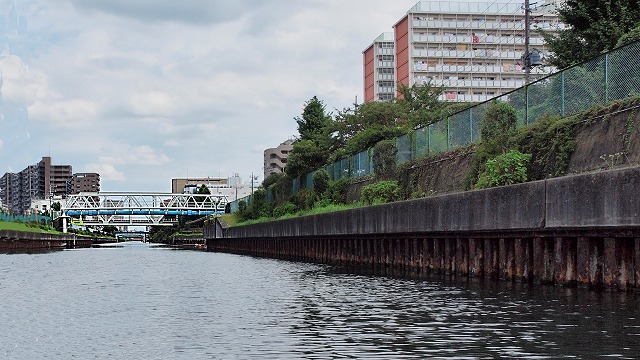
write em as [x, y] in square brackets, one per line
[40, 181]
[275, 159]
[54, 177]
[473, 49]
[379, 69]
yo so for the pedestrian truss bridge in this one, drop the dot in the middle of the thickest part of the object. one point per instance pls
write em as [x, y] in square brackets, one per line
[139, 209]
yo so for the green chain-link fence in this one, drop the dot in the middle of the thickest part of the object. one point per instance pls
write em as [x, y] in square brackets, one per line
[608, 77]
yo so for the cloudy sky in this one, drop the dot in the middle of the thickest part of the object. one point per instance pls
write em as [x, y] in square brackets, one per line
[144, 91]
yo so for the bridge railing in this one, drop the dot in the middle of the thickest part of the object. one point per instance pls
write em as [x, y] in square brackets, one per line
[611, 76]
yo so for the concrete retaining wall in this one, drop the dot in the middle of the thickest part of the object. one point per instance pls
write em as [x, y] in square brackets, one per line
[600, 199]
[582, 229]
[15, 240]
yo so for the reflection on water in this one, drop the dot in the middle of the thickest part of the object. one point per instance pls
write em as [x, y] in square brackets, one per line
[139, 301]
[29, 251]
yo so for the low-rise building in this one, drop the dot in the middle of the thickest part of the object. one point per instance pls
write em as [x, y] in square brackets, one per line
[84, 182]
[275, 159]
[232, 187]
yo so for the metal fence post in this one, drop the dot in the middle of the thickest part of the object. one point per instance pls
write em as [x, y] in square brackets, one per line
[562, 93]
[606, 77]
[470, 125]
[448, 134]
[429, 140]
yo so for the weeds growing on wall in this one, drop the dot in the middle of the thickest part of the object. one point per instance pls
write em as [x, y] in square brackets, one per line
[497, 131]
[381, 192]
[551, 142]
[505, 169]
[384, 159]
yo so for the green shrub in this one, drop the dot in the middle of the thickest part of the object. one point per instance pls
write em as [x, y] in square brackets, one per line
[497, 131]
[551, 143]
[322, 203]
[506, 169]
[339, 190]
[259, 207]
[384, 158]
[284, 209]
[305, 199]
[282, 188]
[321, 182]
[381, 192]
[498, 127]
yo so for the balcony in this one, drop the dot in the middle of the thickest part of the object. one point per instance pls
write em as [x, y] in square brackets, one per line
[385, 51]
[456, 69]
[476, 84]
[386, 64]
[386, 90]
[481, 39]
[466, 97]
[468, 54]
[477, 24]
[389, 77]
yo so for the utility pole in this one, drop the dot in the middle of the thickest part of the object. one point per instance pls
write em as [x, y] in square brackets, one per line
[527, 59]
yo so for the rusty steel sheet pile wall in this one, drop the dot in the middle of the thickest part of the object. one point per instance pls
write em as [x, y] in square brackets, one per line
[582, 229]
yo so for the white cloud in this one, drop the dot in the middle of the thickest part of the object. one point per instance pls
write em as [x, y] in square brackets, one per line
[77, 114]
[19, 85]
[133, 155]
[153, 103]
[107, 172]
[143, 91]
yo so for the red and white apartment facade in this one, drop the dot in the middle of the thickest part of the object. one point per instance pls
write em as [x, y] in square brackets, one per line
[473, 49]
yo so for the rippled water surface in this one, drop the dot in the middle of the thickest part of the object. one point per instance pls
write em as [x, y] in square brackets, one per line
[143, 302]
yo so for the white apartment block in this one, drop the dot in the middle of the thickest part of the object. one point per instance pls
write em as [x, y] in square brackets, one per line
[473, 49]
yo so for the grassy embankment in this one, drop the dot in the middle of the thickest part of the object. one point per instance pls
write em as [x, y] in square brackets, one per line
[232, 219]
[16, 226]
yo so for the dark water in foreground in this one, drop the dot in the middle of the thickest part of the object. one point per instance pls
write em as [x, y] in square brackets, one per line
[141, 302]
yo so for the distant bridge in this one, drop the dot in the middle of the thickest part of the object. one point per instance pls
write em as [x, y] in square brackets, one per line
[139, 209]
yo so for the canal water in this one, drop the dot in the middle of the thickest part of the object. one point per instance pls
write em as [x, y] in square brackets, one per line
[144, 302]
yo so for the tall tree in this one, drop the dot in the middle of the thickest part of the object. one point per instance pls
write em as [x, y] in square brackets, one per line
[314, 119]
[594, 26]
[422, 104]
[316, 142]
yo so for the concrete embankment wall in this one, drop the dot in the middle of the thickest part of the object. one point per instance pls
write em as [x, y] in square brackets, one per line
[22, 240]
[15, 240]
[582, 229]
